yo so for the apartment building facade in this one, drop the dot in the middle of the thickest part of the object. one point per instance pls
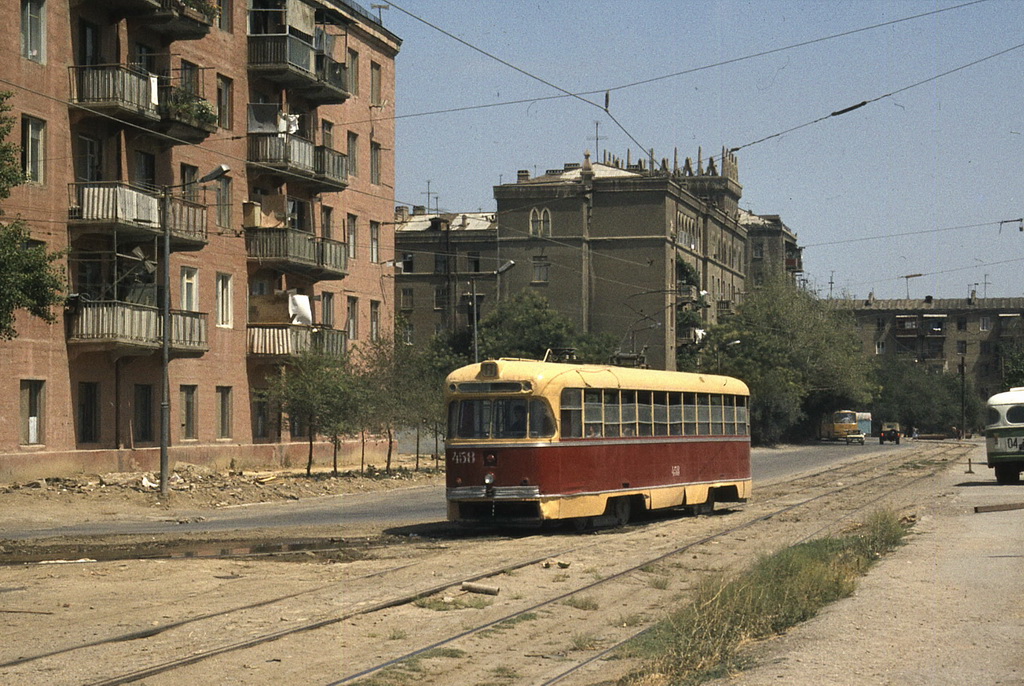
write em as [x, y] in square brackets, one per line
[604, 242]
[943, 333]
[233, 160]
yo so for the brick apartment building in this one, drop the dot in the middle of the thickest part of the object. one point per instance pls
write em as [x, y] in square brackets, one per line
[603, 242]
[942, 333]
[122, 107]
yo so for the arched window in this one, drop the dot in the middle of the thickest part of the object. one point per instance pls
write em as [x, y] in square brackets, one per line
[540, 222]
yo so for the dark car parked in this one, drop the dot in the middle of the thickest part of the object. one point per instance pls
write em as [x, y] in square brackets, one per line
[890, 432]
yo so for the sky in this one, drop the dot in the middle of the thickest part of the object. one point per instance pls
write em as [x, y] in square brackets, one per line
[916, 193]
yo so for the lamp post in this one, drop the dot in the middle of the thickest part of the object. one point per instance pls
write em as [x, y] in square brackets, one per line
[476, 315]
[725, 345]
[165, 316]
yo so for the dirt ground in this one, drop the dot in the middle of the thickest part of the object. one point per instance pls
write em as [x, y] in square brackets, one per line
[194, 487]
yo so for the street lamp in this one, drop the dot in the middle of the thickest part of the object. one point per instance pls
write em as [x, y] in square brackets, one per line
[725, 345]
[476, 315]
[165, 315]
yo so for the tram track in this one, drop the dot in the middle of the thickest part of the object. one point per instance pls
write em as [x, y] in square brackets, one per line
[383, 598]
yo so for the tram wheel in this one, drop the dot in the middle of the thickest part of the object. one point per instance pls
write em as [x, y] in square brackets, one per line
[582, 524]
[1007, 474]
[620, 509]
[704, 508]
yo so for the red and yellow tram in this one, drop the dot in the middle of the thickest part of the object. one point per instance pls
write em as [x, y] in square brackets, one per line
[529, 442]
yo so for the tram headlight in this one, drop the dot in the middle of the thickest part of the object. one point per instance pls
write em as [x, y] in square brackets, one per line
[488, 479]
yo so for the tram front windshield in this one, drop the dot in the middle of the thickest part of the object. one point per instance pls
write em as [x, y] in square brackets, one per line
[516, 417]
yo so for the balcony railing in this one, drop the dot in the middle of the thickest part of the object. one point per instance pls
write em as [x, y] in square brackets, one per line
[295, 63]
[129, 324]
[286, 151]
[118, 89]
[331, 167]
[282, 340]
[118, 205]
[298, 251]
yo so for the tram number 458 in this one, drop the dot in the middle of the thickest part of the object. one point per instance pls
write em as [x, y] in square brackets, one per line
[463, 457]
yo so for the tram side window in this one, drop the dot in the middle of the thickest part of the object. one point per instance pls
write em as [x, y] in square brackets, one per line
[572, 413]
[660, 413]
[690, 413]
[1015, 414]
[729, 414]
[717, 415]
[542, 423]
[703, 414]
[741, 415]
[644, 408]
[593, 413]
[629, 413]
[611, 413]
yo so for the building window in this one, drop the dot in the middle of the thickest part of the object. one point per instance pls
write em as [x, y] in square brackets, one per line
[353, 154]
[440, 263]
[408, 263]
[260, 418]
[326, 221]
[143, 429]
[440, 297]
[89, 162]
[353, 72]
[189, 412]
[375, 242]
[327, 134]
[540, 222]
[225, 311]
[224, 15]
[961, 347]
[985, 323]
[190, 289]
[223, 201]
[327, 309]
[758, 251]
[375, 84]
[473, 261]
[224, 101]
[541, 269]
[32, 405]
[33, 141]
[351, 235]
[961, 323]
[223, 411]
[407, 299]
[375, 163]
[189, 188]
[352, 319]
[299, 215]
[879, 323]
[33, 30]
[88, 412]
[374, 320]
[189, 77]
[880, 348]
[145, 170]
[408, 332]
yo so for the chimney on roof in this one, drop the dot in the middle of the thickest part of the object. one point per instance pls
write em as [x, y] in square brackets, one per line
[418, 210]
[522, 175]
[401, 213]
[928, 299]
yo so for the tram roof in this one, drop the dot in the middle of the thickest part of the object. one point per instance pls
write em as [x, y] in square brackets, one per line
[1013, 396]
[561, 375]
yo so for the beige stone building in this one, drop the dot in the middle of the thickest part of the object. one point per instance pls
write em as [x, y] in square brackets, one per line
[122, 107]
[943, 333]
[605, 243]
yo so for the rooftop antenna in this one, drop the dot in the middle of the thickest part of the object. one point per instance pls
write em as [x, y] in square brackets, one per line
[380, 20]
[984, 290]
[597, 138]
[428, 194]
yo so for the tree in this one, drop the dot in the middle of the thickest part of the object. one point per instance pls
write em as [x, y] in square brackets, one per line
[1013, 367]
[391, 376]
[523, 325]
[928, 400]
[29, 276]
[317, 392]
[799, 356]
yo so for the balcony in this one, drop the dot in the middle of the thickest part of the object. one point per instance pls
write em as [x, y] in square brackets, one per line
[794, 264]
[317, 168]
[297, 252]
[185, 115]
[283, 340]
[131, 328]
[174, 19]
[100, 207]
[293, 63]
[118, 91]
